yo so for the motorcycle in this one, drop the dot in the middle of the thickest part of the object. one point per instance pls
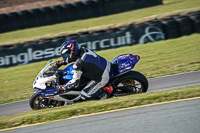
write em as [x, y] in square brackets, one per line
[123, 81]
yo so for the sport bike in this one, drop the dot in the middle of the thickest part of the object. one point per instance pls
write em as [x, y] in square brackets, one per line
[123, 81]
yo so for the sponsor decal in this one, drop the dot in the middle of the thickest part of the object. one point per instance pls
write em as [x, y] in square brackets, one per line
[51, 97]
[41, 83]
[128, 68]
[52, 77]
[123, 56]
[124, 65]
[50, 94]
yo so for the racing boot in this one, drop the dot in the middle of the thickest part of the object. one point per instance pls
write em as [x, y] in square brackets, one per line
[105, 92]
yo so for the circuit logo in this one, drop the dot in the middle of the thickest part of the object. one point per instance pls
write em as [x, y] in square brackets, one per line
[152, 34]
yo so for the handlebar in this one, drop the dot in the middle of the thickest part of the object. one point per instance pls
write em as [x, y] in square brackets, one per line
[54, 68]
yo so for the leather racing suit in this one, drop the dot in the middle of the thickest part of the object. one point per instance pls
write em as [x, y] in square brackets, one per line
[93, 67]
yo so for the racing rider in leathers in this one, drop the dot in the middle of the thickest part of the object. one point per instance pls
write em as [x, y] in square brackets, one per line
[88, 64]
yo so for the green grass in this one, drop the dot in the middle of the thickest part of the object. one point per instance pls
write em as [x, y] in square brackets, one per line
[81, 108]
[168, 6]
[157, 59]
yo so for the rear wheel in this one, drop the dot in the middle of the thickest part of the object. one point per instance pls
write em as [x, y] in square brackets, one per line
[37, 101]
[131, 83]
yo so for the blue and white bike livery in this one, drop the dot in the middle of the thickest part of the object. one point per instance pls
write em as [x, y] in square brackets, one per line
[49, 79]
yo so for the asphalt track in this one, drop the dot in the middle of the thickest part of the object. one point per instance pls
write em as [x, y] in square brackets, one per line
[155, 84]
[179, 116]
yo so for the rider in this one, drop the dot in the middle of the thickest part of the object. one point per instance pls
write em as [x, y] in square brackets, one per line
[88, 64]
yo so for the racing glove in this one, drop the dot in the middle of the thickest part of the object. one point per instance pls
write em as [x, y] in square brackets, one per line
[58, 64]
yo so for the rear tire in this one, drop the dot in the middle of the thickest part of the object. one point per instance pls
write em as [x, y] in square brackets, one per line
[137, 81]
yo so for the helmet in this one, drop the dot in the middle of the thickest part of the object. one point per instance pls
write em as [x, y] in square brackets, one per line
[69, 50]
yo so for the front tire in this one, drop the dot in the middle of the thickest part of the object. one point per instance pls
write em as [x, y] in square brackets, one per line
[37, 101]
[134, 81]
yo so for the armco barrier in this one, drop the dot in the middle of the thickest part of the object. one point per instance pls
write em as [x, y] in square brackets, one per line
[149, 31]
[184, 25]
[195, 17]
[170, 28]
[68, 12]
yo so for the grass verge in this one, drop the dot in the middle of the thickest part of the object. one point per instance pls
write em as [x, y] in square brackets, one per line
[50, 30]
[157, 59]
[47, 115]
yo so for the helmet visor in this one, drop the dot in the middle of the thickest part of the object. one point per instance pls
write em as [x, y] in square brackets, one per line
[66, 54]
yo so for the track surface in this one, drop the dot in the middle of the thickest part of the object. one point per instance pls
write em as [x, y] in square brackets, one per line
[174, 117]
[155, 84]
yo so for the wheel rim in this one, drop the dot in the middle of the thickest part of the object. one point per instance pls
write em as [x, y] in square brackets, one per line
[134, 84]
[39, 102]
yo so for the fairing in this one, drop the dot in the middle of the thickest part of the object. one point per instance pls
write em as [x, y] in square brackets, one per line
[68, 73]
[124, 63]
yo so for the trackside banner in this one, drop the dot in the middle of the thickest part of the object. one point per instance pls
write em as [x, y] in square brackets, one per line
[46, 49]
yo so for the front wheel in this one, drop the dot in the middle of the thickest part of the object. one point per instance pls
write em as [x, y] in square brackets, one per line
[131, 82]
[37, 101]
